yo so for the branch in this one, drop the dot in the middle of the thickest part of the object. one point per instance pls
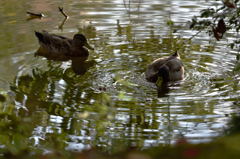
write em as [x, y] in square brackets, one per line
[35, 14]
[194, 35]
[61, 25]
[61, 10]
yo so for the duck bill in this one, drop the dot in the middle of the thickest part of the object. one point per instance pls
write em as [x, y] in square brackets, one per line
[88, 46]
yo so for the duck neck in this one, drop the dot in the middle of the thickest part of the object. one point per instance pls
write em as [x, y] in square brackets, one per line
[79, 50]
[164, 73]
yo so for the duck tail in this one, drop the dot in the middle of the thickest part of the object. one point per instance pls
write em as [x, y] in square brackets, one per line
[39, 36]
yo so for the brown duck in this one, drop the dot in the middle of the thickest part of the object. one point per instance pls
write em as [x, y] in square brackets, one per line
[169, 69]
[58, 47]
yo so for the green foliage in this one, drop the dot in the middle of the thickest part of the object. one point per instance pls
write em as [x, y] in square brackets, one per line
[2, 98]
[218, 21]
[15, 133]
[170, 23]
[234, 125]
[209, 18]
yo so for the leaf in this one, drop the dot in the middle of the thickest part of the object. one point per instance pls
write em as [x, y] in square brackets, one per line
[205, 13]
[229, 4]
[216, 34]
[221, 27]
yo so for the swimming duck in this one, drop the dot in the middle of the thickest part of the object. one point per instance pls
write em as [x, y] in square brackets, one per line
[169, 68]
[62, 48]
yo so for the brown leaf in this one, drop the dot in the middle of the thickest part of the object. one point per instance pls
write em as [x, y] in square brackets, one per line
[216, 34]
[229, 4]
[221, 27]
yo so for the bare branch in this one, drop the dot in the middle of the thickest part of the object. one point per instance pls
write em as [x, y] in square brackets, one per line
[61, 10]
[35, 14]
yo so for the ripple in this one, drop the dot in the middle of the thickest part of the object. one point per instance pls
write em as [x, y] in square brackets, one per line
[195, 106]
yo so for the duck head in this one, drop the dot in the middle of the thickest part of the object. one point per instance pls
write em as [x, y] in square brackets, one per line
[80, 41]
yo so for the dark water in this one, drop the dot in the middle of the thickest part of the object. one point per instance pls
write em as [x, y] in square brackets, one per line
[112, 104]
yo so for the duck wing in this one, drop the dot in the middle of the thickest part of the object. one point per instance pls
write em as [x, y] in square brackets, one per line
[152, 71]
[52, 43]
[171, 69]
[47, 38]
[174, 65]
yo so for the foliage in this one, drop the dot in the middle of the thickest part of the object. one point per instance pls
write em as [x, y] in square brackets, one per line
[222, 148]
[15, 133]
[219, 20]
[2, 98]
[234, 125]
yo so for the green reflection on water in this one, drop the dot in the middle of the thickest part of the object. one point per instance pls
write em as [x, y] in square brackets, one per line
[108, 105]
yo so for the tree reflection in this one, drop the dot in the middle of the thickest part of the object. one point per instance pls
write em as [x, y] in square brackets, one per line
[67, 107]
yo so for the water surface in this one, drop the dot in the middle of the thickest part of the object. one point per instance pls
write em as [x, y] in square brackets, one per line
[112, 104]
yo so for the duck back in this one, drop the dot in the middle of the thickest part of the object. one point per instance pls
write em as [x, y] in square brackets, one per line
[169, 68]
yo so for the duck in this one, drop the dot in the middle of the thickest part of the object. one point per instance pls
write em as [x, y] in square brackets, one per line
[57, 47]
[170, 69]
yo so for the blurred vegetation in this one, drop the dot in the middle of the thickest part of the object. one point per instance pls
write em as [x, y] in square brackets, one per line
[16, 136]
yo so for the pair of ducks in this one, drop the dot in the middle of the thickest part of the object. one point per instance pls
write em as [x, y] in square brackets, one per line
[55, 46]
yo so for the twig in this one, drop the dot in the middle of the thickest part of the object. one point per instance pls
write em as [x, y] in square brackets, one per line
[194, 35]
[61, 10]
[61, 25]
[35, 14]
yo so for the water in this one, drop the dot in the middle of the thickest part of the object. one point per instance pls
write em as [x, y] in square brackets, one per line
[111, 104]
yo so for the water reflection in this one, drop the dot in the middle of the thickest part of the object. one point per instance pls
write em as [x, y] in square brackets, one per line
[94, 109]
[78, 64]
[163, 90]
[80, 67]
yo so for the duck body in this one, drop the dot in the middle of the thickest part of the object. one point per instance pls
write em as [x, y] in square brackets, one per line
[57, 47]
[169, 68]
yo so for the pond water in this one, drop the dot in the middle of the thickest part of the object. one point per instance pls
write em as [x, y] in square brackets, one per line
[111, 105]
